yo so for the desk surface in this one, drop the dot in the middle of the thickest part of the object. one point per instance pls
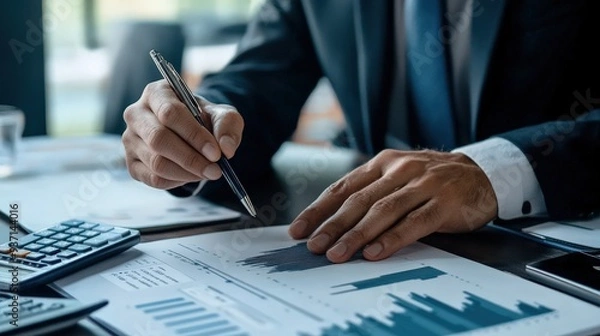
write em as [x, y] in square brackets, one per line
[489, 246]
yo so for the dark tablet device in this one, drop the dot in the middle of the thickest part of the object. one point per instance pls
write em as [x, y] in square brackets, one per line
[575, 273]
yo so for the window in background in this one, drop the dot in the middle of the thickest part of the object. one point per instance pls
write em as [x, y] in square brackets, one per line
[79, 41]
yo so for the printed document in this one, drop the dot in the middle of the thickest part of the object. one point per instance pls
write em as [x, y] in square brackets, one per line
[261, 282]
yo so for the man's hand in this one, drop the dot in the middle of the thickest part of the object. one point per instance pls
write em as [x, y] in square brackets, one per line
[166, 147]
[395, 199]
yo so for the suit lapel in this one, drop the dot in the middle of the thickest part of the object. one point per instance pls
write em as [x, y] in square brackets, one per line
[484, 30]
[372, 35]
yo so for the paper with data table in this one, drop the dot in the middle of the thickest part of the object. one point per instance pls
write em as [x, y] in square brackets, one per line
[105, 196]
[261, 282]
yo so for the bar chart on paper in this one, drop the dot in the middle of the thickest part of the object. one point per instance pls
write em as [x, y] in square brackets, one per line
[182, 316]
[267, 284]
[421, 273]
[294, 258]
[438, 318]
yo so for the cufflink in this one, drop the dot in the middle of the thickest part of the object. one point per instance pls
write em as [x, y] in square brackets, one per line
[526, 208]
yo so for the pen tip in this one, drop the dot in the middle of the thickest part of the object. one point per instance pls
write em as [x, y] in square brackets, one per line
[248, 205]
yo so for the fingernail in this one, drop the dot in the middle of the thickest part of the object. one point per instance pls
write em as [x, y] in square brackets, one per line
[210, 152]
[374, 249]
[338, 250]
[212, 171]
[297, 228]
[227, 144]
[320, 241]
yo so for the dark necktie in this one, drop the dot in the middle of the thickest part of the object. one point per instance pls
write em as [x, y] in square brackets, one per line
[427, 75]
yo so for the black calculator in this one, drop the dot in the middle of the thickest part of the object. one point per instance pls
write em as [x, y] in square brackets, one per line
[41, 257]
[31, 316]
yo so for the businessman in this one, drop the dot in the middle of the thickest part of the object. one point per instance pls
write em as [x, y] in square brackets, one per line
[498, 97]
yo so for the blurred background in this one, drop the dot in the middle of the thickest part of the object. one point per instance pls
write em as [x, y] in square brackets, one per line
[73, 65]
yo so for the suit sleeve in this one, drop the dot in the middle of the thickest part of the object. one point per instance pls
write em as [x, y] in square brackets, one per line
[565, 158]
[269, 79]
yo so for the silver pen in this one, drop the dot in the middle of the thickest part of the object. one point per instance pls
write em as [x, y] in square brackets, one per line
[187, 97]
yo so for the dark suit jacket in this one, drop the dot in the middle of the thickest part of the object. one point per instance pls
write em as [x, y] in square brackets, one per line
[533, 80]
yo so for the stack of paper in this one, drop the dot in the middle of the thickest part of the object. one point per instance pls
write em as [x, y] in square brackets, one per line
[85, 178]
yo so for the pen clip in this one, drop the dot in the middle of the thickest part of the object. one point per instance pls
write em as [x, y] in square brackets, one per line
[159, 62]
[179, 86]
[188, 98]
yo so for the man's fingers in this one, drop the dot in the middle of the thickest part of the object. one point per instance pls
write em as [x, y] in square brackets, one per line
[331, 199]
[416, 225]
[227, 125]
[382, 216]
[164, 142]
[174, 115]
[351, 212]
[140, 172]
[163, 166]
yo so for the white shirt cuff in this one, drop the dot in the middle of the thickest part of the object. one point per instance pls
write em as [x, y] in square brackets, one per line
[516, 187]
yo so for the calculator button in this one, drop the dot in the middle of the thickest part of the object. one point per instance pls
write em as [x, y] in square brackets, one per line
[60, 236]
[5, 249]
[96, 242]
[122, 232]
[34, 307]
[76, 239]
[20, 254]
[38, 264]
[89, 234]
[30, 238]
[49, 250]
[45, 233]
[31, 310]
[51, 260]
[55, 306]
[72, 223]
[88, 226]
[66, 254]
[103, 228]
[29, 263]
[62, 244]
[34, 256]
[59, 228]
[46, 241]
[34, 247]
[74, 231]
[25, 302]
[111, 236]
[79, 248]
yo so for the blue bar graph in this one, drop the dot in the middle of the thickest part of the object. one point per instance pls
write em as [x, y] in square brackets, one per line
[289, 259]
[422, 273]
[439, 319]
[182, 316]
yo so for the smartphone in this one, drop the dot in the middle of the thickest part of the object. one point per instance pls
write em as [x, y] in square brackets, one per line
[576, 273]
